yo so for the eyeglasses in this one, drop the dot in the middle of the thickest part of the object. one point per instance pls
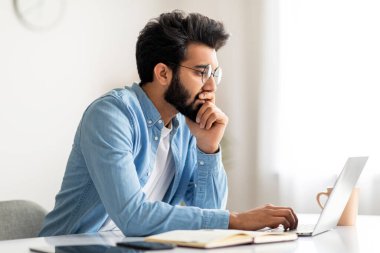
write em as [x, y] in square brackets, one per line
[207, 72]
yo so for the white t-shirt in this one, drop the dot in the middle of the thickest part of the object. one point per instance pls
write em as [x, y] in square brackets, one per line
[160, 177]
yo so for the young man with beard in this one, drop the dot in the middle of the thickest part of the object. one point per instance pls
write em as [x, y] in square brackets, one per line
[142, 150]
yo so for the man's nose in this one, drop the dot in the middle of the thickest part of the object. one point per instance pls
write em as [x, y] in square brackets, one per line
[210, 84]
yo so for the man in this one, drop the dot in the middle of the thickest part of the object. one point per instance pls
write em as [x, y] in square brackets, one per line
[141, 151]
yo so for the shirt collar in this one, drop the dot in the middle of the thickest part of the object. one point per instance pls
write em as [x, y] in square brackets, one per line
[152, 116]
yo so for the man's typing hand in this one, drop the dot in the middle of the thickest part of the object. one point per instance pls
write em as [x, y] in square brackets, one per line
[265, 216]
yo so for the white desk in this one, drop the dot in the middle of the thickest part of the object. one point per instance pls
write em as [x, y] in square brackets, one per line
[364, 237]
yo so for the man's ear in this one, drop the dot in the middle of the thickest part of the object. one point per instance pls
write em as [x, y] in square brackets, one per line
[163, 74]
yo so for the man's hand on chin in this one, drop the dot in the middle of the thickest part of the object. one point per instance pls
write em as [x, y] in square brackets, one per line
[210, 126]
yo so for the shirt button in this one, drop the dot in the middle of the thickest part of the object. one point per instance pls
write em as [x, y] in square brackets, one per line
[202, 163]
[148, 173]
[150, 122]
[156, 138]
[195, 185]
[160, 121]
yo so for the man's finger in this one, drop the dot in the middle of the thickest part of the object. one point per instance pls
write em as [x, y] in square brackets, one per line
[296, 218]
[286, 213]
[277, 221]
[210, 96]
[210, 121]
[204, 108]
[206, 115]
[282, 207]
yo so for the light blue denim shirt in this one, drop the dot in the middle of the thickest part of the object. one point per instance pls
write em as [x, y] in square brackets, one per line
[114, 152]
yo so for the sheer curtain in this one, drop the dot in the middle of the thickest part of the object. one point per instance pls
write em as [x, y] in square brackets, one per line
[328, 105]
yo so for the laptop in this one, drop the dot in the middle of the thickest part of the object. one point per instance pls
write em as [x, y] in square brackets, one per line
[338, 198]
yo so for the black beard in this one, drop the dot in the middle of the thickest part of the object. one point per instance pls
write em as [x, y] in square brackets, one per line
[177, 96]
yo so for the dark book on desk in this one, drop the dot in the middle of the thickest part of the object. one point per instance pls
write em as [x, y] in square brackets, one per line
[81, 249]
[215, 238]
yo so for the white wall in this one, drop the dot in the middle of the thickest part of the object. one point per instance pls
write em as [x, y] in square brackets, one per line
[47, 79]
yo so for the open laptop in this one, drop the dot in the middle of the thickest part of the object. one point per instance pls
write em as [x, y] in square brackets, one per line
[338, 198]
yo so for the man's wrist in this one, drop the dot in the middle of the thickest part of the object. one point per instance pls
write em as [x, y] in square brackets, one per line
[233, 222]
[209, 149]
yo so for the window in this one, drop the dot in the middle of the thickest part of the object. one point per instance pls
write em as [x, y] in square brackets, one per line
[329, 108]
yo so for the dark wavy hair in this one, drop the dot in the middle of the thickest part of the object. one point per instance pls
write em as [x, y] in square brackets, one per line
[165, 39]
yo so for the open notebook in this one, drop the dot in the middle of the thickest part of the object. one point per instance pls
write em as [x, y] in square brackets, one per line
[214, 238]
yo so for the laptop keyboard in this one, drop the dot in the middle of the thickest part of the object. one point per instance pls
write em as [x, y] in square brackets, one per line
[301, 228]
